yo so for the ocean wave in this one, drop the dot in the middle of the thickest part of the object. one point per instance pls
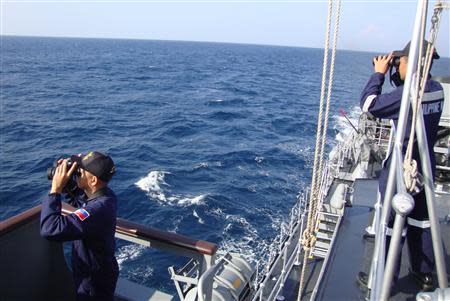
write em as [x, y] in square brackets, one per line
[242, 236]
[200, 220]
[247, 243]
[152, 184]
[139, 272]
[238, 157]
[181, 131]
[303, 151]
[202, 165]
[259, 159]
[197, 200]
[225, 115]
[208, 164]
[128, 252]
[232, 102]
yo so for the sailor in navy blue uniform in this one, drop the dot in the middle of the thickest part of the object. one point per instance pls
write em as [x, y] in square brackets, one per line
[387, 106]
[91, 227]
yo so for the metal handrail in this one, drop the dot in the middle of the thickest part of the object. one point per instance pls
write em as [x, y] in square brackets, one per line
[383, 274]
[430, 197]
[377, 216]
[399, 137]
[330, 171]
[386, 275]
[399, 223]
[205, 284]
[286, 266]
[286, 256]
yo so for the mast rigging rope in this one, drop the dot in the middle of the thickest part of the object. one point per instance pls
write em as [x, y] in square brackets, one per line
[308, 238]
[423, 69]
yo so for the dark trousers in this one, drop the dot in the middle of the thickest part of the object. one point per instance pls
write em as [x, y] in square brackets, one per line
[419, 242]
[96, 287]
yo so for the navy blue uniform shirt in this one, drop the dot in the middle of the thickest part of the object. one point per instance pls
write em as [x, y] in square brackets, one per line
[387, 106]
[92, 229]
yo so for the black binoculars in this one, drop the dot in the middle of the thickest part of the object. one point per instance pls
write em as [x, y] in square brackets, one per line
[395, 61]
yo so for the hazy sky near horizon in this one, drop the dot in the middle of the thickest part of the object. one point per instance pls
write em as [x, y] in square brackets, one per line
[378, 26]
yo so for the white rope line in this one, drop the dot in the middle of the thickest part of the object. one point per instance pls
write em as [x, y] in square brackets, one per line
[410, 171]
[410, 165]
[330, 87]
[305, 236]
[308, 239]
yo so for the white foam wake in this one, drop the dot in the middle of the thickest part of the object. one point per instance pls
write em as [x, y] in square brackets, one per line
[197, 200]
[128, 252]
[248, 243]
[153, 185]
[200, 220]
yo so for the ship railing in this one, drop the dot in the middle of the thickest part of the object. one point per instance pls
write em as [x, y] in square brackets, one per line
[378, 130]
[284, 257]
[382, 133]
[333, 166]
[381, 274]
[205, 284]
[281, 260]
[185, 278]
[23, 229]
[201, 253]
[383, 269]
[340, 154]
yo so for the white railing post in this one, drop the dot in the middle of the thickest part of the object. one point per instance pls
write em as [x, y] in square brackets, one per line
[429, 193]
[403, 204]
[400, 135]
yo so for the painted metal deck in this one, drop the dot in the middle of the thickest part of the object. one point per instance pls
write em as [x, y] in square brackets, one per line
[353, 252]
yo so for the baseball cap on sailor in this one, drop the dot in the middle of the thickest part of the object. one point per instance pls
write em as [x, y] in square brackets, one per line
[405, 51]
[98, 164]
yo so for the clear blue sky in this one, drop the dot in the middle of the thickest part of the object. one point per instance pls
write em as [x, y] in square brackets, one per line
[378, 26]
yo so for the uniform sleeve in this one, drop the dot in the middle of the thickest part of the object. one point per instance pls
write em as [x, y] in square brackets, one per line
[385, 105]
[55, 226]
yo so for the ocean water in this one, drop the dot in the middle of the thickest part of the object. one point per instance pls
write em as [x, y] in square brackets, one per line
[211, 140]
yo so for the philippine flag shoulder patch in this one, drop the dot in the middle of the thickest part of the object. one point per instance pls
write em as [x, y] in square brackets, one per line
[82, 214]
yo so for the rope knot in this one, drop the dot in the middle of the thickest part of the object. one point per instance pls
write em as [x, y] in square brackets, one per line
[410, 175]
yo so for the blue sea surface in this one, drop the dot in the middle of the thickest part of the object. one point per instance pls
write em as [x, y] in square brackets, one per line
[211, 140]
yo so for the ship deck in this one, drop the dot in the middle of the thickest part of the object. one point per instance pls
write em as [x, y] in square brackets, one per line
[352, 253]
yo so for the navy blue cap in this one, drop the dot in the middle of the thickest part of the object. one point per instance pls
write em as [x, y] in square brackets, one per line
[98, 164]
[405, 51]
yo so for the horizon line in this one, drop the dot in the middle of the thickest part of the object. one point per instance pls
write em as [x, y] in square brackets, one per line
[187, 41]
[174, 40]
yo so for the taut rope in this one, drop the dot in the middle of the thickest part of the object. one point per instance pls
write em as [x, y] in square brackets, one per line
[308, 239]
[423, 69]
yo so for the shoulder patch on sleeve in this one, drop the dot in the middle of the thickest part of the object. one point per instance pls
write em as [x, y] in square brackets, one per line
[82, 214]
